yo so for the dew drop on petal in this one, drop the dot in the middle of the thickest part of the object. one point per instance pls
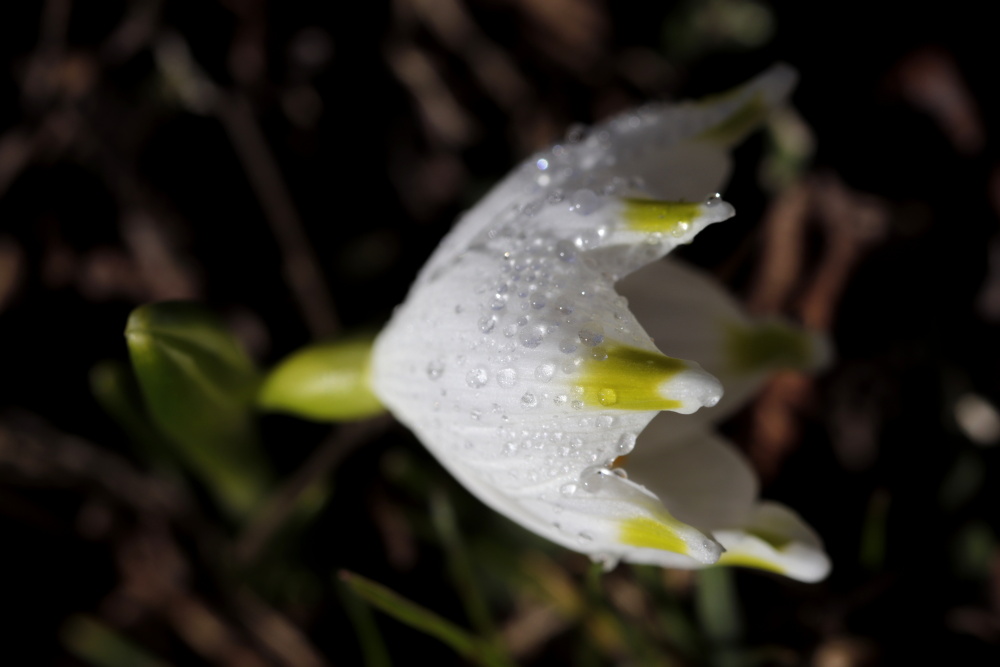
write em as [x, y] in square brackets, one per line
[560, 399]
[604, 421]
[584, 202]
[435, 370]
[476, 378]
[507, 377]
[607, 396]
[566, 251]
[544, 372]
[529, 400]
[592, 479]
[486, 324]
[532, 337]
[567, 489]
[567, 346]
[591, 335]
[625, 444]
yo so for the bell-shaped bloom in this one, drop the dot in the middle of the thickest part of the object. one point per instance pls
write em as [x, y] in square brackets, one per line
[521, 368]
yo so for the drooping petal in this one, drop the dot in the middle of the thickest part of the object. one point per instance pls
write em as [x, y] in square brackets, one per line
[517, 364]
[778, 540]
[690, 315]
[701, 478]
[704, 481]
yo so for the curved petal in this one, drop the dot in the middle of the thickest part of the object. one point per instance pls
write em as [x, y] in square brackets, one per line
[689, 315]
[702, 479]
[778, 540]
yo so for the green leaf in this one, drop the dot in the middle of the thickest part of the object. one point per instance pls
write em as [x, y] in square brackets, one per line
[323, 382]
[115, 388]
[198, 385]
[420, 618]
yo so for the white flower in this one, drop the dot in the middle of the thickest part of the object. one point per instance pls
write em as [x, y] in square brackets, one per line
[519, 366]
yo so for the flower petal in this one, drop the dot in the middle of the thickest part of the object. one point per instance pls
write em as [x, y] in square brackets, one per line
[778, 540]
[701, 478]
[688, 314]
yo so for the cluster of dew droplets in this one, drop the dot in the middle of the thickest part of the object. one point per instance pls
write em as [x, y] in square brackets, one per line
[539, 312]
[544, 311]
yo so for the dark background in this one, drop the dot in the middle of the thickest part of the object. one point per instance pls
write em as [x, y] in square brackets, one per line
[292, 164]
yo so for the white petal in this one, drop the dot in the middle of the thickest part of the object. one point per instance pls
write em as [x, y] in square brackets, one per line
[702, 479]
[517, 364]
[778, 540]
[689, 315]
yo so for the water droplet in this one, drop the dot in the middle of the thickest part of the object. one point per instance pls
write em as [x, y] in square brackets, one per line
[566, 251]
[435, 370]
[476, 414]
[538, 303]
[567, 489]
[586, 537]
[584, 202]
[625, 444]
[577, 405]
[498, 303]
[544, 372]
[532, 336]
[477, 377]
[607, 396]
[556, 196]
[542, 164]
[529, 400]
[507, 377]
[599, 353]
[560, 399]
[486, 324]
[592, 479]
[591, 334]
[564, 309]
[510, 449]
[567, 346]
[713, 199]
[604, 421]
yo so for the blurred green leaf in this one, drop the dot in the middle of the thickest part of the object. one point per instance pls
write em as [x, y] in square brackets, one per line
[115, 388]
[198, 385]
[420, 618]
[323, 382]
[719, 613]
[365, 629]
[95, 643]
[460, 568]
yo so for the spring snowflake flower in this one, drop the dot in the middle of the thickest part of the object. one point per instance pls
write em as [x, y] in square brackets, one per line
[518, 365]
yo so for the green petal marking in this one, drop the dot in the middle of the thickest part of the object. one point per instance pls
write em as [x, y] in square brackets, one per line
[664, 217]
[627, 378]
[746, 560]
[775, 540]
[743, 120]
[766, 346]
[649, 533]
